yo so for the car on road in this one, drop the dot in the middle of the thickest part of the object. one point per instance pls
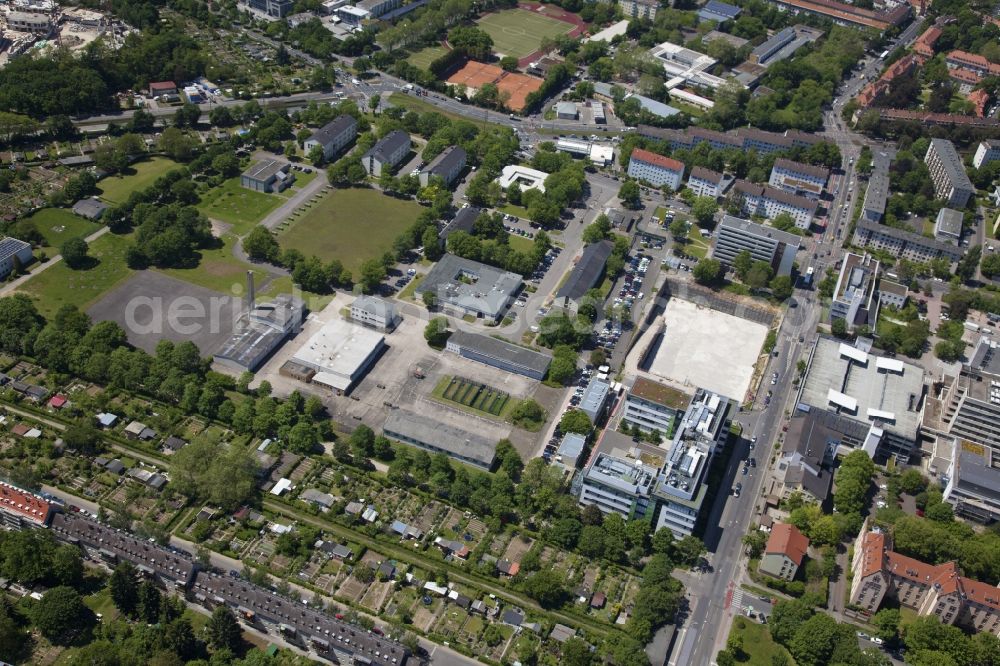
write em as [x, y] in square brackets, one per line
[745, 470]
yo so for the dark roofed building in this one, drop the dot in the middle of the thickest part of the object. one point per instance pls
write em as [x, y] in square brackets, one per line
[92, 209]
[585, 275]
[432, 435]
[11, 248]
[174, 444]
[464, 220]
[499, 354]
[387, 153]
[268, 176]
[334, 136]
[446, 166]
[808, 445]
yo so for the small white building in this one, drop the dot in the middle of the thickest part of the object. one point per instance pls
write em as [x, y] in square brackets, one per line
[987, 152]
[375, 313]
[705, 182]
[567, 111]
[656, 169]
[526, 178]
[948, 226]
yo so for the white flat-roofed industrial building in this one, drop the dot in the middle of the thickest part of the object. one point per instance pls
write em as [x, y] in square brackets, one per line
[885, 394]
[776, 247]
[340, 353]
[268, 325]
[948, 226]
[689, 66]
[463, 286]
[432, 435]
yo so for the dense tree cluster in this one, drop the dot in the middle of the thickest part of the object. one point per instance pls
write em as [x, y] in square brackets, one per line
[489, 243]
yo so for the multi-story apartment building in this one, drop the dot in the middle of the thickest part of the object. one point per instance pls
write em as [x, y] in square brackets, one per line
[951, 183]
[902, 243]
[854, 296]
[776, 247]
[705, 182]
[681, 486]
[655, 169]
[617, 479]
[333, 137]
[797, 178]
[446, 166]
[784, 552]
[987, 151]
[387, 153]
[877, 194]
[769, 202]
[274, 9]
[745, 138]
[653, 406]
[639, 9]
[881, 574]
[666, 485]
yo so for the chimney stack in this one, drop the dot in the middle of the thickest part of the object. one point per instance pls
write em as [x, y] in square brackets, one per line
[250, 292]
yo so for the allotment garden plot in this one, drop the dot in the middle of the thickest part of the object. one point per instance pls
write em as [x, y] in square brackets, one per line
[473, 395]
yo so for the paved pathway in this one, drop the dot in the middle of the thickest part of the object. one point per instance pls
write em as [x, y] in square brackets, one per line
[11, 287]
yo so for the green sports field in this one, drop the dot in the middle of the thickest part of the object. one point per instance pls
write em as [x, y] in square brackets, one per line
[351, 225]
[424, 57]
[519, 33]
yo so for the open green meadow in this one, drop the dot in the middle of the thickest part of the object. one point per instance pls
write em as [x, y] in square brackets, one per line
[518, 32]
[140, 175]
[59, 284]
[58, 225]
[238, 206]
[351, 225]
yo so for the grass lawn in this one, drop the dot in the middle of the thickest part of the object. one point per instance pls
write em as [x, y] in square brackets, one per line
[218, 269]
[519, 33]
[516, 211]
[237, 205]
[116, 189]
[424, 57]
[60, 285]
[58, 225]
[407, 292]
[351, 225]
[420, 106]
[758, 646]
[696, 245]
[520, 243]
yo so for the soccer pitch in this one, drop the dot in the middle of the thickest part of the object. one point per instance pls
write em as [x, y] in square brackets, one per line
[519, 33]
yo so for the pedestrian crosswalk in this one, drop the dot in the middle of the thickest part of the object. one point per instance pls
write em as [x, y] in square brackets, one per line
[738, 600]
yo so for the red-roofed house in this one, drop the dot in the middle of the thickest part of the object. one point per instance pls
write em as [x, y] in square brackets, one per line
[508, 568]
[926, 588]
[20, 508]
[57, 401]
[162, 88]
[979, 99]
[656, 169]
[972, 62]
[785, 550]
[924, 45]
